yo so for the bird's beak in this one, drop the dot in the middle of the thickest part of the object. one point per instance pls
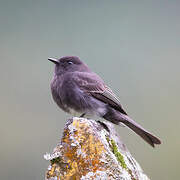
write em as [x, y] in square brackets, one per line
[55, 61]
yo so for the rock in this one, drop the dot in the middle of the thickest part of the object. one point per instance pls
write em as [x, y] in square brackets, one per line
[91, 149]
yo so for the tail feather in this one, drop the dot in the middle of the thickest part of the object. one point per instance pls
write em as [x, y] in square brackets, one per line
[147, 136]
[118, 118]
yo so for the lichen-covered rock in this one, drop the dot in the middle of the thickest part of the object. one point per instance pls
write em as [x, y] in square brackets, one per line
[91, 150]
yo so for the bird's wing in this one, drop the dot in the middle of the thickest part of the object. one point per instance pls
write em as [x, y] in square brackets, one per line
[107, 96]
[94, 85]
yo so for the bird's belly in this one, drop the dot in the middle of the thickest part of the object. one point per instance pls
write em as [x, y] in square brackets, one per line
[89, 111]
[73, 112]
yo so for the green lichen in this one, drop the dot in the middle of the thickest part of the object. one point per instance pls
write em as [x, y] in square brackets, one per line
[56, 160]
[107, 138]
[118, 155]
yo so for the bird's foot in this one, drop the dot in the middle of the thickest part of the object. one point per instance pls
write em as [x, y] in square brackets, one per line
[82, 115]
[104, 125]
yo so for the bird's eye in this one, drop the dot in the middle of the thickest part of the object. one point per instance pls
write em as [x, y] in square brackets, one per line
[70, 62]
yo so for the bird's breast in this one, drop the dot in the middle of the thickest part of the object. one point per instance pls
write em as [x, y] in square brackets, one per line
[73, 100]
[73, 112]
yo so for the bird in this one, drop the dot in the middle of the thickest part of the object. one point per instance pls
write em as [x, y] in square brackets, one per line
[78, 90]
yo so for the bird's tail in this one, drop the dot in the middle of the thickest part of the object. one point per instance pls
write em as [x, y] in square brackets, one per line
[118, 118]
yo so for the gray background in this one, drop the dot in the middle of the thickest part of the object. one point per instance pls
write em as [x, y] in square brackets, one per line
[133, 45]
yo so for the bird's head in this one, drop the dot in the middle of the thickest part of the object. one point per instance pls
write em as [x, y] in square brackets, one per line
[68, 64]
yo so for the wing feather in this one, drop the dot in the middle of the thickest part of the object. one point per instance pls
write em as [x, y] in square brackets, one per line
[94, 85]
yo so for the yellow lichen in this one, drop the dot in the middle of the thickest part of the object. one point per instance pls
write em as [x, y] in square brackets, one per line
[91, 151]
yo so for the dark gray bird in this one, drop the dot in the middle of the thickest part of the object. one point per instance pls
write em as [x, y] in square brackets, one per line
[76, 89]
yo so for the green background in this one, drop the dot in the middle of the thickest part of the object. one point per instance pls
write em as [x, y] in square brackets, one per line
[133, 45]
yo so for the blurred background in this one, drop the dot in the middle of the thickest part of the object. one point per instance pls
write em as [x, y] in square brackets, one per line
[133, 45]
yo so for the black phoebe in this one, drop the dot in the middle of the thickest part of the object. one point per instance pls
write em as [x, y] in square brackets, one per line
[76, 89]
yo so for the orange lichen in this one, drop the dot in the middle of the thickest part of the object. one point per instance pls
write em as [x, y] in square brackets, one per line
[53, 172]
[81, 157]
[91, 150]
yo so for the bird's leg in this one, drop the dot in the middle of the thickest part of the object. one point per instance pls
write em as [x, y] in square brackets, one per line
[82, 115]
[104, 125]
